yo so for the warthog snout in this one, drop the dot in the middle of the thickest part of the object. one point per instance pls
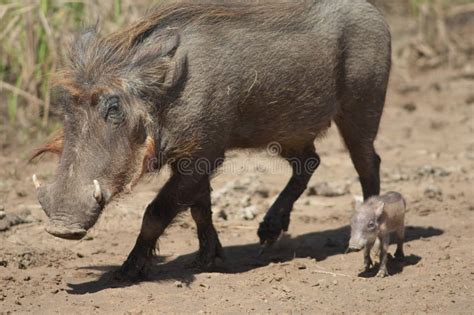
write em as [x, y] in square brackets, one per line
[71, 211]
[57, 229]
[355, 245]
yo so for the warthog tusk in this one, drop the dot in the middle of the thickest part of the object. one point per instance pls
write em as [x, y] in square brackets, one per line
[36, 182]
[97, 191]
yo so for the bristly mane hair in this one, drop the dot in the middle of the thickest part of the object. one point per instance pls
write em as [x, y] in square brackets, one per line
[92, 56]
[105, 61]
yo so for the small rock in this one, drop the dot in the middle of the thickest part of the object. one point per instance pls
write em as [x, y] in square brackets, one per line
[221, 214]
[285, 289]
[4, 225]
[249, 213]
[399, 177]
[246, 201]
[26, 260]
[3, 263]
[21, 193]
[335, 282]
[433, 191]
[409, 107]
[328, 190]
[429, 170]
[262, 192]
[437, 125]
[470, 99]
[184, 225]
[178, 284]
[408, 88]
[436, 86]
[300, 265]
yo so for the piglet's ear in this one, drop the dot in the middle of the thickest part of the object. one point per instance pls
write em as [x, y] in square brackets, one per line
[358, 201]
[379, 209]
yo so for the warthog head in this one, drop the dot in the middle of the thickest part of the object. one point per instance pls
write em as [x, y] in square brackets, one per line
[365, 224]
[109, 92]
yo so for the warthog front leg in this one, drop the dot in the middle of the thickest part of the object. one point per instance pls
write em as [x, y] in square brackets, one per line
[210, 247]
[178, 194]
[277, 219]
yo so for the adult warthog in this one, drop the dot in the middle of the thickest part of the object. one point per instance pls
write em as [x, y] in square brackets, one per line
[190, 81]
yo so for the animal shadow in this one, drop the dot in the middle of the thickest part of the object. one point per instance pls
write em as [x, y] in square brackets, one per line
[394, 265]
[242, 258]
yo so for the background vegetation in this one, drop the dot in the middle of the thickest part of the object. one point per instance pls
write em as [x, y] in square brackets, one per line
[34, 32]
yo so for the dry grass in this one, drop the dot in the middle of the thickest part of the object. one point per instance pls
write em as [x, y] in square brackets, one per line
[444, 34]
[33, 33]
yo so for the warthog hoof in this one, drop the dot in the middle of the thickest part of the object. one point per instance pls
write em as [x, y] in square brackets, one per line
[210, 249]
[399, 255]
[270, 228]
[136, 267]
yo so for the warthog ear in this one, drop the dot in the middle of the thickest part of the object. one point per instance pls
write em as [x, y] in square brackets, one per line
[54, 145]
[379, 210]
[158, 72]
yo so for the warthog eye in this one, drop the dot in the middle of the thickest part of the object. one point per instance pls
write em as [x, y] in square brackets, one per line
[111, 110]
[371, 225]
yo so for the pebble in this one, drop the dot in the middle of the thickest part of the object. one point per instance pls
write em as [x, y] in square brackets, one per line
[328, 190]
[433, 191]
[300, 266]
[178, 284]
[249, 213]
[428, 170]
[222, 214]
[408, 88]
[409, 107]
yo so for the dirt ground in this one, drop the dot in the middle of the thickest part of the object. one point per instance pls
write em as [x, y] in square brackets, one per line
[427, 147]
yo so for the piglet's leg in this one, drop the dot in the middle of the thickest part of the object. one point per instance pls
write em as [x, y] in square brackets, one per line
[384, 242]
[400, 239]
[367, 260]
